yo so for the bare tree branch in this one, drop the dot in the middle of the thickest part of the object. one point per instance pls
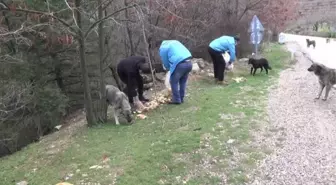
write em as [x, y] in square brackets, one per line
[105, 18]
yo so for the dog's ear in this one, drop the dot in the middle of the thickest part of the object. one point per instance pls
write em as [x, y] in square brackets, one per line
[119, 97]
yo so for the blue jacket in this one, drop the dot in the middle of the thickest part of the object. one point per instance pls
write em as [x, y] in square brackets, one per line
[223, 44]
[172, 52]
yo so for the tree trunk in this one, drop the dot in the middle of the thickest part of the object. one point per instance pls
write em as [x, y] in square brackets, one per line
[102, 109]
[128, 30]
[58, 71]
[115, 76]
[87, 92]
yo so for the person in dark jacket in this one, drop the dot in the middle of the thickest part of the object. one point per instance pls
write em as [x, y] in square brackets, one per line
[128, 70]
[176, 58]
[216, 48]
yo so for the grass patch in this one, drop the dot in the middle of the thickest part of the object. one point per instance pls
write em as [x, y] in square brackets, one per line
[202, 141]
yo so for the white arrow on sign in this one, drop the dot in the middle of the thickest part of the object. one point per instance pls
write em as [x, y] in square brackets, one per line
[253, 37]
[256, 25]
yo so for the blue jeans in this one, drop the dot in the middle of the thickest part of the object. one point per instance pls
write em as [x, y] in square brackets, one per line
[178, 80]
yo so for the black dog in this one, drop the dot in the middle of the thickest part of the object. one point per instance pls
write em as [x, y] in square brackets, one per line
[259, 63]
[311, 42]
[328, 40]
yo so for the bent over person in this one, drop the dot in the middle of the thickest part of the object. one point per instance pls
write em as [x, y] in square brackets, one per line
[128, 70]
[176, 58]
[216, 48]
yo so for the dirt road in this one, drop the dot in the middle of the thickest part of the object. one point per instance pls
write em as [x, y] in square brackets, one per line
[305, 153]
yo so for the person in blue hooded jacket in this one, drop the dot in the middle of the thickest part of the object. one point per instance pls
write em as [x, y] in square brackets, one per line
[176, 58]
[216, 48]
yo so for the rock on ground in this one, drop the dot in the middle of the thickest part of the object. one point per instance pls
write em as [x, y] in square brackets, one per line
[306, 152]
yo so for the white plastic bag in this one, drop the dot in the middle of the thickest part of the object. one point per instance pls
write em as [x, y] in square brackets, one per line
[227, 57]
[167, 81]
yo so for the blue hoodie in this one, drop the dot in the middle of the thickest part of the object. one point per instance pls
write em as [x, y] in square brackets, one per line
[223, 44]
[172, 52]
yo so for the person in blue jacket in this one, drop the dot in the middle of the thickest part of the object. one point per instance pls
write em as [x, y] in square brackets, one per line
[216, 48]
[176, 58]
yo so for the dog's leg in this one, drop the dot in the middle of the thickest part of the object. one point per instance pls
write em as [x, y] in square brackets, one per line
[251, 70]
[266, 70]
[320, 91]
[255, 69]
[261, 69]
[328, 87]
[116, 114]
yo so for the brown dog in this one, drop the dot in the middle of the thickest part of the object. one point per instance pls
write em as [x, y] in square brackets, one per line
[326, 76]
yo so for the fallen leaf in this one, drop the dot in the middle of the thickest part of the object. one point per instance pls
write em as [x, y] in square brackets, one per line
[64, 183]
[141, 116]
[22, 183]
[230, 141]
[67, 177]
[239, 79]
[96, 167]
[58, 127]
[106, 159]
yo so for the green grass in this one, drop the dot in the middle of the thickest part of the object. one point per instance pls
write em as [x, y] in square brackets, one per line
[175, 143]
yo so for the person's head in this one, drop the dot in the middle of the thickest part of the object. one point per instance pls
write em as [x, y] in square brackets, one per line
[237, 39]
[145, 68]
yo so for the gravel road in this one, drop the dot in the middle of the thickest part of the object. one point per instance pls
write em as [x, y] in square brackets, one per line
[307, 154]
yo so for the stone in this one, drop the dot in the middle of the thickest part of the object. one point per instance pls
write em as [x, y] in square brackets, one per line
[243, 60]
[200, 62]
[195, 67]
[148, 85]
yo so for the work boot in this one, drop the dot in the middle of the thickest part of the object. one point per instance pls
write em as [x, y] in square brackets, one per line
[139, 106]
[222, 82]
[143, 99]
[174, 103]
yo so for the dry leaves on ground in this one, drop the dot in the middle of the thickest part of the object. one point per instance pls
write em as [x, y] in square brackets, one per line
[239, 79]
[161, 97]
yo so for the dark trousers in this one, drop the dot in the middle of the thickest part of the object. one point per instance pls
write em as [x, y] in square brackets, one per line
[178, 80]
[132, 86]
[218, 64]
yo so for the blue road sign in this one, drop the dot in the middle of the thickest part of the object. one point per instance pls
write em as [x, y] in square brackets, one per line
[256, 29]
[256, 25]
[256, 37]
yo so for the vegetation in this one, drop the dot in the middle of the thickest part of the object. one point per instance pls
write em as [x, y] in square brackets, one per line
[43, 77]
[204, 141]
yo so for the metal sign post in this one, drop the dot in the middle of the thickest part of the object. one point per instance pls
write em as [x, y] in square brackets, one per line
[256, 29]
